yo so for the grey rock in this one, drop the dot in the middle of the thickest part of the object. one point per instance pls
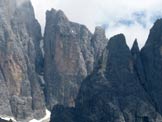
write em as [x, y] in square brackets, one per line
[20, 61]
[99, 41]
[113, 92]
[90, 82]
[62, 113]
[117, 93]
[70, 54]
[138, 66]
[151, 55]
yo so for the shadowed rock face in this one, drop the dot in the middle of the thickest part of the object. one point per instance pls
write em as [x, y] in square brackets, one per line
[138, 66]
[114, 92]
[152, 61]
[20, 61]
[70, 53]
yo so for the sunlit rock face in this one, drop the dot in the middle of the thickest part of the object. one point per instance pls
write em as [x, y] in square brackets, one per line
[20, 61]
[70, 53]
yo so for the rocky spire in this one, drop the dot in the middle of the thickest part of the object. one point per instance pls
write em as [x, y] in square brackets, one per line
[155, 34]
[70, 53]
[113, 95]
[20, 36]
[135, 48]
[151, 56]
[99, 41]
[138, 65]
[135, 52]
[56, 17]
[99, 33]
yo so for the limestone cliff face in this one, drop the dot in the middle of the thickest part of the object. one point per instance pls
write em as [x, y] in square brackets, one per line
[70, 53]
[115, 91]
[20, 35]
[98, 42]
[92, 82]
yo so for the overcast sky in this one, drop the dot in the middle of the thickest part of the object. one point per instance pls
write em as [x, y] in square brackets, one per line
[134, 18]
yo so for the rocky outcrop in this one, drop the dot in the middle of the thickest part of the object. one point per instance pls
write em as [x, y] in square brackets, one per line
[117, 93]
[91, 82]
[70, 54]
[63, 114]
[98, 42]
[137, 62]
[114, 92]
[20, 61]
[152, 61]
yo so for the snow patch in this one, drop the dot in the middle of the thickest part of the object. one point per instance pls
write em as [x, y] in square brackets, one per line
[41, 46]
[46, 118]
[42, 79]
[8, 118]
[73, 32]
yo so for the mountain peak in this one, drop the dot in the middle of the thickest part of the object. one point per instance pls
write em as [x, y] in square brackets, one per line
[135, 47]
[119, 37]
[57, 17]
[99, 30]
[155, 35]
[118, 41]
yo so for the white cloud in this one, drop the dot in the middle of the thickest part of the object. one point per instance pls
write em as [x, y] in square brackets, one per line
[141, 13]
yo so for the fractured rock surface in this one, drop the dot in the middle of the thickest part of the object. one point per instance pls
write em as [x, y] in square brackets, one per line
[124, 87]
[90, 81]
[71, 52]
[20, 55]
